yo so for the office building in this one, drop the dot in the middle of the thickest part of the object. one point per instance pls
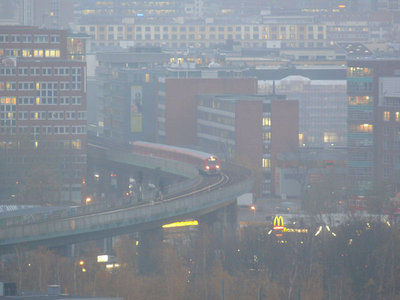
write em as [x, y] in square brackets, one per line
[43, 97]
[373, 123]
[177, 104]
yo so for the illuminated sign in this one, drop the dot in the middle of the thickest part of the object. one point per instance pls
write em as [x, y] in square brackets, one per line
[296, 230]
[102, 258]
[181, 224]
[278, 223]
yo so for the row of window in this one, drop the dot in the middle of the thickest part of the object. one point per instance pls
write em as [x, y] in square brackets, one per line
[211, 36]
[51, 53]
[25, 71]
[245, 44]
[28, 38]
[63, 100]
[216, 132]
[215, 104]
[291, 28]
[360, 100]
[75, 85]
[395, 116]
[49, 130]
[216, 118]
[51, 115]
[359, 72]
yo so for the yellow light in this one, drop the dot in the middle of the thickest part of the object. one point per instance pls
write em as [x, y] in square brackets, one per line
[278, 223]
[81, 262]
[295, 230]
[102, 258]
[181, 224]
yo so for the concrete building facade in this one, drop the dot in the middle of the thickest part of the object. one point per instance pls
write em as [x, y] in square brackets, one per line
[177, 104]
[43, 97]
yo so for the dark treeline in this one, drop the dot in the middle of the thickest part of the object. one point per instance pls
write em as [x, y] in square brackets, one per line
[358, 260]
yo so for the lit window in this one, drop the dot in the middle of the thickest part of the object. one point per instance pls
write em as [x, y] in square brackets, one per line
[365, 128]
[38, 53]
[267, 136]
[386, 116]
[266, 121]
[266, 163]
[397, 116]
[330, 137]
[27, 53]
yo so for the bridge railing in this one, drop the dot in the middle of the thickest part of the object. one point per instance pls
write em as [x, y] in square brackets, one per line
[156, 163]
[123, 217]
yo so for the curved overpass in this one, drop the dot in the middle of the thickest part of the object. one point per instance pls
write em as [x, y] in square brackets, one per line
[96, 221]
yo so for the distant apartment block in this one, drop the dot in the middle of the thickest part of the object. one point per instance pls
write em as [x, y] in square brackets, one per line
[204, 35]
[373, 123]
[43, 96]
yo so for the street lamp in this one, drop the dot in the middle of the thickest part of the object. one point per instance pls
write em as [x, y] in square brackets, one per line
[253, 208]
[88, 200]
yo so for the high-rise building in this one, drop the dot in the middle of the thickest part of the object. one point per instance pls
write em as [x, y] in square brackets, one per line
[322, 109]
[43, 98]
[373, 123]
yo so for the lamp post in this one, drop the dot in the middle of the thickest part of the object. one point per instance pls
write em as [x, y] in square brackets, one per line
[253, 208]
[88, 200]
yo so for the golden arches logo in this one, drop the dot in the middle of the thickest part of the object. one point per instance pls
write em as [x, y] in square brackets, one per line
[278, 223]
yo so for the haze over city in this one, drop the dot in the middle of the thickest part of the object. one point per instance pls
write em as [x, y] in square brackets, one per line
[197, 149]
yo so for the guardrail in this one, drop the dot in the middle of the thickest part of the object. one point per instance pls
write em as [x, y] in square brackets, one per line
[156, 163]
[123, 217]
[81, 220]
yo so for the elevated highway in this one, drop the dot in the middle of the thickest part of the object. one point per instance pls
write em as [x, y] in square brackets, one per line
[193, 197]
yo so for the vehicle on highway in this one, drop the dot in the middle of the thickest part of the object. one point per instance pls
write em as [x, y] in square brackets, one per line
[206, 163]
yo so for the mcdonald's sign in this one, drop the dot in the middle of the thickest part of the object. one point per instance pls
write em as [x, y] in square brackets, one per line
[278, 223]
